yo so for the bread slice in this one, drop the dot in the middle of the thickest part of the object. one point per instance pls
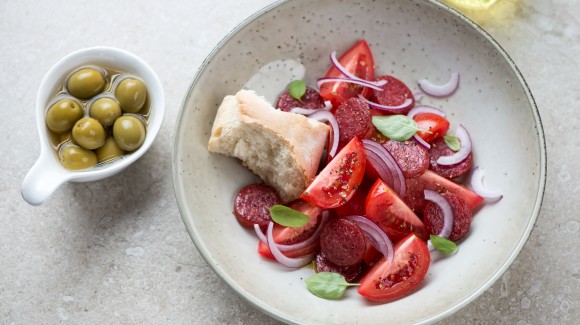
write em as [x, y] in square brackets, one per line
[284, 149]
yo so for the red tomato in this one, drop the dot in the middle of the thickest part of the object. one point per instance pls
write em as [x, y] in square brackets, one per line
[435, 124]
[291, 235]
[359, 61]
[356, 205]
[415, 197]
[388, 281]
[384, 207]
[337, 182]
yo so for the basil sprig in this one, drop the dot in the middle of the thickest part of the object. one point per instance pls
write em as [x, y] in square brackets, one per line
[288, 217]
[297, 89]
[452, 142]
[443, 244]
[328, 285]
[396, 127]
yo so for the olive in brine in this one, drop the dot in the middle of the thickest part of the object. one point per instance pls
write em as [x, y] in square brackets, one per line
[86, 83]
[105, 110]
[129, 132]
[88, 133]
[62, 115]
[131, 94]
[75, 158]
[110, 150]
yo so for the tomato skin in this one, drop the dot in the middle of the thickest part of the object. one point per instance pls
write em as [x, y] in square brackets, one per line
[389, 281]
[437, 125]
[357, 60]
[338, 181]
[290, 235]
[384, 207]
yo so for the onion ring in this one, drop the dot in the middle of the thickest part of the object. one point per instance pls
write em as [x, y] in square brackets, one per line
[445, 207]
[398, 184]
[444, 90]
[376, 235]
[349, 75]
[326, 116]
[391, 109]
[424, 109]
[281, 258]
[361, 82]
[421, 141]
[478, 187]
[465, 140]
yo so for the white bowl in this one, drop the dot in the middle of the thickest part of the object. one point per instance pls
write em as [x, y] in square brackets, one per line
[47, 174]
[410, 39]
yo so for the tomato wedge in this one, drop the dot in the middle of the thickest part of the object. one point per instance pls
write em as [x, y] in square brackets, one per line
[389, 281]
[435, 124]
[384, 207]
[359, 61]
[337, 182]
[289, 235]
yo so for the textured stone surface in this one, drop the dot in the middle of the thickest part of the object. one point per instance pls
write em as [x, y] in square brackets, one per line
[116, 251]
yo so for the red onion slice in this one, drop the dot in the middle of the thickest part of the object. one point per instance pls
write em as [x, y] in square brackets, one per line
[281, 258]
[376, 235]
[380, 166]
[424, 109]
[421, 141]
[304, 111]
[361, 82]
[444, 90]
[418, 96]
[445, 208]
[309, 240]
[391, 109]
[480, 189]
[349, 75]
[465, 140]
[326, 116]
[260, 234]
[398, 184]
[327, 105]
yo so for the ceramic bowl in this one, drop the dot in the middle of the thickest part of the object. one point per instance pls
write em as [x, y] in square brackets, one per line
[47, 174]
[410, 39]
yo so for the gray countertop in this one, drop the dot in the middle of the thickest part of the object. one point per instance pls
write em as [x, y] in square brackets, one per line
[116, 250]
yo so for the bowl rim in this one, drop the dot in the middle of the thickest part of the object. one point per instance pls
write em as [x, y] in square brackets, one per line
[446, 313]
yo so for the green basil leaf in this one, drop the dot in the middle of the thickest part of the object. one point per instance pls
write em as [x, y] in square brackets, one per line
[327, 285]
[288, 217]
[452, 142]
[297, 89]
[443, 245]
[396, 127]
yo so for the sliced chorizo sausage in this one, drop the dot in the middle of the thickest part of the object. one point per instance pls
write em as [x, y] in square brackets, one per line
[310, 100]
[412, 157]
[351, 273]
[394, 93]
[354, 119]
[252, 204]
[342, 242]
[462, 216]
[439, 149]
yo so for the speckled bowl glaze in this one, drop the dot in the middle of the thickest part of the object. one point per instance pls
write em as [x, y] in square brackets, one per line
[411, 39]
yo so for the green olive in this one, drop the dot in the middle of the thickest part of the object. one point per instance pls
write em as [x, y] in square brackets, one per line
[86, 83]
[131, 94]
[62, 115]
[75, 158]
[129, 132]
[109, 150]
[105, 110]
[88, 133]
